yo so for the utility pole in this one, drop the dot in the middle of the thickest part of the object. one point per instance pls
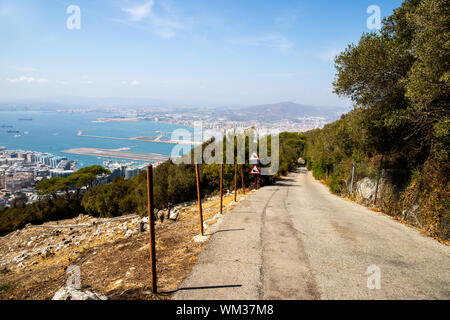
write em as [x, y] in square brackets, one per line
[151, 224]
[197, 174]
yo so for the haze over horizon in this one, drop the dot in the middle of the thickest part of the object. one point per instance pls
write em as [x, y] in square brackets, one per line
[197, 53]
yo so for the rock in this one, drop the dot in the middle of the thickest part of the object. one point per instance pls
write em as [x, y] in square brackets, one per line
[97, 233]
[174, 215]
[69, 293]
[128, 234]
[365, 189]
[200, 238]
[20, 257]
[140, 228]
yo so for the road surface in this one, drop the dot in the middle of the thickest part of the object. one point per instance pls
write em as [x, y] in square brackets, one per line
[295, 240]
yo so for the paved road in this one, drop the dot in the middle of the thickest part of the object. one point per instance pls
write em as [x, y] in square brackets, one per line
[295, 240]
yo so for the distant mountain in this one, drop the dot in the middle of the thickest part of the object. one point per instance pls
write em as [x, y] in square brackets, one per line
[289, 110]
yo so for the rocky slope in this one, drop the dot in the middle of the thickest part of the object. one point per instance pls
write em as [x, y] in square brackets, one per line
[112, 254]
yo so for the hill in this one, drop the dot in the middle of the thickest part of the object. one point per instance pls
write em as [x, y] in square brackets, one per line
[288, 110]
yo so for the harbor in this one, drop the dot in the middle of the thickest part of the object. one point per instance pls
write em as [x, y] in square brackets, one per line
[114, 153]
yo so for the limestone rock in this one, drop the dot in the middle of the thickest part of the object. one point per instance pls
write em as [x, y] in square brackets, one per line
[128, 234]
[70, 293]
[174, 215]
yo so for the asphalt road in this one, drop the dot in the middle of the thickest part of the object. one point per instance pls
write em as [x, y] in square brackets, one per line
[295, 240]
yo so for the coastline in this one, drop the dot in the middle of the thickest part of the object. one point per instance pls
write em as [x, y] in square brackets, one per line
[114, 153]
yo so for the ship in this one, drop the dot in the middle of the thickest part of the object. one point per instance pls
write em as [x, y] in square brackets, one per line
[13, 131]
[6, 126]
[26, 119]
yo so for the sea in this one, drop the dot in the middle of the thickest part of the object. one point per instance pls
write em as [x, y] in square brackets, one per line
[53, 132]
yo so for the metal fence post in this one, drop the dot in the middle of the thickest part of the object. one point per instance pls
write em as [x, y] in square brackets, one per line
[235, 182]
[242, 177]
[353, 175]
[197, 175]
[151, 224]
[378, 180]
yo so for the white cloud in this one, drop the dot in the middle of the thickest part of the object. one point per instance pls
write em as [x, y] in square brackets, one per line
[139, 12]
[165, 24]
[131, 83]
[26, 80]
[277, 41]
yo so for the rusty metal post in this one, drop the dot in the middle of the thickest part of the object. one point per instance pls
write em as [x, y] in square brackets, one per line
[242, 177]
[235, 182]
[197, 175]
[221, 188]
[378, 180]
[151, 224]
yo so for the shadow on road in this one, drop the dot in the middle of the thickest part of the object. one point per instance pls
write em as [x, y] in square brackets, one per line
[202, 288]
[228, 230]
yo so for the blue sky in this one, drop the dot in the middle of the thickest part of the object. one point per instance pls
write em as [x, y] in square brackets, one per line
[198, 52]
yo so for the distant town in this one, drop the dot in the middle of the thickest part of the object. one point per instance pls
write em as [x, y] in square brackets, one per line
[21, 170]
[284, 117]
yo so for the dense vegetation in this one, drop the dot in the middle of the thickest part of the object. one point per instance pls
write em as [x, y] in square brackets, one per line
[399, 81]
[68, 197]
[55, 206]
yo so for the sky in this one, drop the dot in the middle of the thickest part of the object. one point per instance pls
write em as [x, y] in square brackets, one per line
[216, 52]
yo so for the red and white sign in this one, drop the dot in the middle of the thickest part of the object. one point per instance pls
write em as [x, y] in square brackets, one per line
[255, 170]
[254, 158]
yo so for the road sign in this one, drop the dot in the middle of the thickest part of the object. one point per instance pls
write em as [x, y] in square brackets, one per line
[255, 170]
[254, 158]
